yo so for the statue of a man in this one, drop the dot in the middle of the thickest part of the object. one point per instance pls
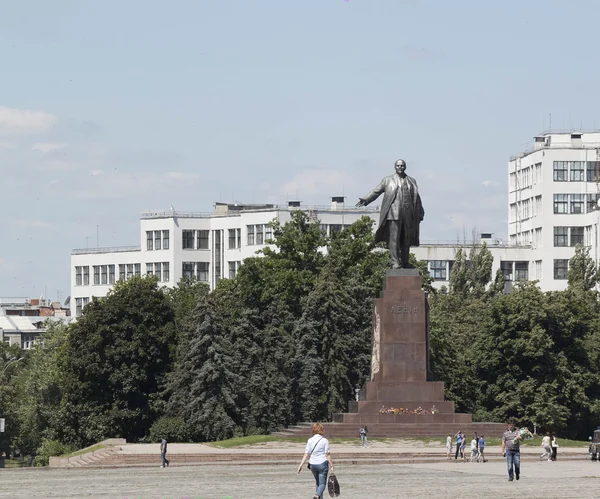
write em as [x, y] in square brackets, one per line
[401, 214]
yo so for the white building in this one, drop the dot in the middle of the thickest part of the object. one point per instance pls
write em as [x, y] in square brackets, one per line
[552, 206]
[209, 246]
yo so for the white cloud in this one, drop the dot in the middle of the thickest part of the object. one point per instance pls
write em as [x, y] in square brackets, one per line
[94, 173]
[33, 224]
[181, 176]
[25, 121]
[45, 148]
[314, 181]
[487, 183]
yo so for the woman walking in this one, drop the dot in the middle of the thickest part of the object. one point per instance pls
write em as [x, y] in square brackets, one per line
[554, 446]
[546, 446]
[318, 455]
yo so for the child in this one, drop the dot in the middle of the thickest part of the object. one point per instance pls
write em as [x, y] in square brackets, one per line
[448, 446]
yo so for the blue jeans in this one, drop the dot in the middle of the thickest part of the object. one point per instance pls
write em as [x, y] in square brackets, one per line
[320, 471]
[363, 441]
[165, 461]
[513, 458]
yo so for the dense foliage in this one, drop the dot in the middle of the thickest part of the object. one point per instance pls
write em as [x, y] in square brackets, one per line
[289, 340]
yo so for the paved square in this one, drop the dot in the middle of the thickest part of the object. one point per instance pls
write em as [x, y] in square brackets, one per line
[562, 479]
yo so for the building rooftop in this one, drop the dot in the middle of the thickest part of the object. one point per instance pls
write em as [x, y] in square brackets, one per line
[561, 139]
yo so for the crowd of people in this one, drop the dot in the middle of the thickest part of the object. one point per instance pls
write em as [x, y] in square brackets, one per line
[477, 447]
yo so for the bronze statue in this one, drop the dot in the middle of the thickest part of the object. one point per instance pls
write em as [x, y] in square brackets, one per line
[401, 214]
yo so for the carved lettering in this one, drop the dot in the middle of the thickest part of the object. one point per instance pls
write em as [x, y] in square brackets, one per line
[404, 309]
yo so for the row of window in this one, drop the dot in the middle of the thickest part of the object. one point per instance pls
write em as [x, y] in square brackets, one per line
[525, 177]
[512, 271]
[157, 239]
[258, 234]
[575, 203]
[569, 236]
[576, 171]
[199, 270]
[105, 274]
[80, 303]
[195, 239]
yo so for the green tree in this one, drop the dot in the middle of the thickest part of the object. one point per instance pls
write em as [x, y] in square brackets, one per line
[583, 272]
[117, 356]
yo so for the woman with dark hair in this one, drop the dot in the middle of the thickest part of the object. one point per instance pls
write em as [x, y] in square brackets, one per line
[554, 446]
[318, 455]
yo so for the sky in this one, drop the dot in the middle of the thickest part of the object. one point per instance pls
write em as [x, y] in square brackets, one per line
[109, 109]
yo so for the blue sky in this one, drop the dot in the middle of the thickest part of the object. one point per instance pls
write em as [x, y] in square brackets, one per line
[108, 109]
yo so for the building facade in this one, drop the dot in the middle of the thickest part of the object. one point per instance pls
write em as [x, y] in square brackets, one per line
[208, 246]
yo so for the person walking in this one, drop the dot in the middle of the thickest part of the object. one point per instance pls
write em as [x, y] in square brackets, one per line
[547, 454]
[459, 438]
[463, 447]
[449, 446]
[364, 441]
[318, 455]
[482, 448]
[163, 453]
[554, 447]
[474, 450]
[511, 441]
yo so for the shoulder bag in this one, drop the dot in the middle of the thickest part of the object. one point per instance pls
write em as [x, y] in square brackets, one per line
[314, 447]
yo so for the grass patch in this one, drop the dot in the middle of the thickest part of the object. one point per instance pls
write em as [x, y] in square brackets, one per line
[85, 451]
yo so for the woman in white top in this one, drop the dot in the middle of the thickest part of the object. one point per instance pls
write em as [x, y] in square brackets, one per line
[546, 445]
[319, 458]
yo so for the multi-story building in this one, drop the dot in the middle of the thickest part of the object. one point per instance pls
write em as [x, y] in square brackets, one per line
[23, 320]
[208, 246]
[553, 192]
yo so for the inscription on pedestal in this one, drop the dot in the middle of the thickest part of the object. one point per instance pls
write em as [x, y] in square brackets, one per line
[405, 309]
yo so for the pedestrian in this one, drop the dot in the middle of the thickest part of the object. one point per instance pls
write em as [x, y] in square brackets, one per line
[163, 453]
[364, 441]
[511, 440]
[318, 455]
[547, 454]
[554, 446]
[482, 448]
[448, 446]
[458, 444]
[463, 446]
[474, 450]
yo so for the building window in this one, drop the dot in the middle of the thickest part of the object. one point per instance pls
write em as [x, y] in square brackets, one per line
[521, 271]
[86, 275]
[158, 270]
[561, 269]
[561, 171]
[335, 228]
[577, 171]
[250, 229]
[104, 276]
[202, 271]
[129, 270]
[576, 235]
[561, 236]
[96, 274]
[78, 306]
[187, 269]
[239, 237]
[437, 269]
[188, 239]
[138, 270]
[231, 270]
[78, 276]
[593, 171]
[260, 234]
[561, 203]
[507, 270]
[232, 238]
[121, 272]
[323, 229]
[149, 269]
[268, 233]
[111, 274]
[592, 203]
[149, 240]
[27, 341]
[218, 268]
[203, 239]
[166, 276]
[165, 239]
[157, 237]
[577, 201]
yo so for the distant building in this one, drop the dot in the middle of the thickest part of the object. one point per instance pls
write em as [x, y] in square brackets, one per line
[23, 320]
[553, 193]
[208, 246]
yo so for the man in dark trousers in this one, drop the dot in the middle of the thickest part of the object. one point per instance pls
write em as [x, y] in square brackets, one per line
[163, 453]
[511, 442]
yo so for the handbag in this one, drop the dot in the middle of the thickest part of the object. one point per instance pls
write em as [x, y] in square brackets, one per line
[314, 447]
[333, 486]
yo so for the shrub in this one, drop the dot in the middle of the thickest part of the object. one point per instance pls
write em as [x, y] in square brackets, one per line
[172, 429]
[50, 448]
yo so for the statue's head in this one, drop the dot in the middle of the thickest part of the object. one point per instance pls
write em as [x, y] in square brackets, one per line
[400, 166]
